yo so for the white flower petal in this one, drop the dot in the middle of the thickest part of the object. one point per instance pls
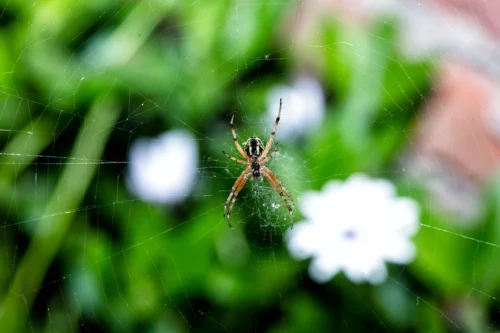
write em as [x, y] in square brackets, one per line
[354, 274]
[378, 274]
[313, 205]
[376, 189]
[405, 214]
[301, 240]
[322, 269]
[303, 105]
[402, 251]
[355, 227]
[163, 170]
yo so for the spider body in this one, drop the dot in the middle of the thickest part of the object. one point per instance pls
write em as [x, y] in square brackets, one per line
[253, 147]
[256, 157]
[256, 170]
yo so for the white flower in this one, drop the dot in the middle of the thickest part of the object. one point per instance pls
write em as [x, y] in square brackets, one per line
[163, 170]
[354, 227]
[303, 106]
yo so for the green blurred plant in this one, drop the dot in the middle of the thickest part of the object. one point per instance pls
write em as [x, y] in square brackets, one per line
[79, 251]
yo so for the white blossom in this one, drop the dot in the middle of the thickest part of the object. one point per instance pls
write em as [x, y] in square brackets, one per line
[303, 106]
[163, 170]
[354, 227]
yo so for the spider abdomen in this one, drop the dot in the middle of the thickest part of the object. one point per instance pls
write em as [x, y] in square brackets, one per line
[253, 147]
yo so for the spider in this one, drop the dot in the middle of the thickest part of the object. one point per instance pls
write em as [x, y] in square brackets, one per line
[256, 157]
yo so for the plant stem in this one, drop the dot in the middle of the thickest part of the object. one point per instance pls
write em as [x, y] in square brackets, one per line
[58, 215]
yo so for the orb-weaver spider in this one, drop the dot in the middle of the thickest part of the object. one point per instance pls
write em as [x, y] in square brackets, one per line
[256, 157]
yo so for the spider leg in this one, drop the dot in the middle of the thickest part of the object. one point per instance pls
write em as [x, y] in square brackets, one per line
[276, 179]
[234, 158]
[270, 157]
[271, 138]
[238, 185]
[280, 192]
[235, 139]
[235, 195]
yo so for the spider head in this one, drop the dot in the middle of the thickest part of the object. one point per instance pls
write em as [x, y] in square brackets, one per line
[253, 147]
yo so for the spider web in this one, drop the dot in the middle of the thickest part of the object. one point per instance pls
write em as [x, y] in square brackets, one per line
[81, 253]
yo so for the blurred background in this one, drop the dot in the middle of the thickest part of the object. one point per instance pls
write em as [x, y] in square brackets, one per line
[113, 115]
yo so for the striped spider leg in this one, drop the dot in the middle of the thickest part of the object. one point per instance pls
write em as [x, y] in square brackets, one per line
[279, 188]
[238, 185]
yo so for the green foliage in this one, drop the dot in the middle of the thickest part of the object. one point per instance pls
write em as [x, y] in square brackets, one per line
[82, 80]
